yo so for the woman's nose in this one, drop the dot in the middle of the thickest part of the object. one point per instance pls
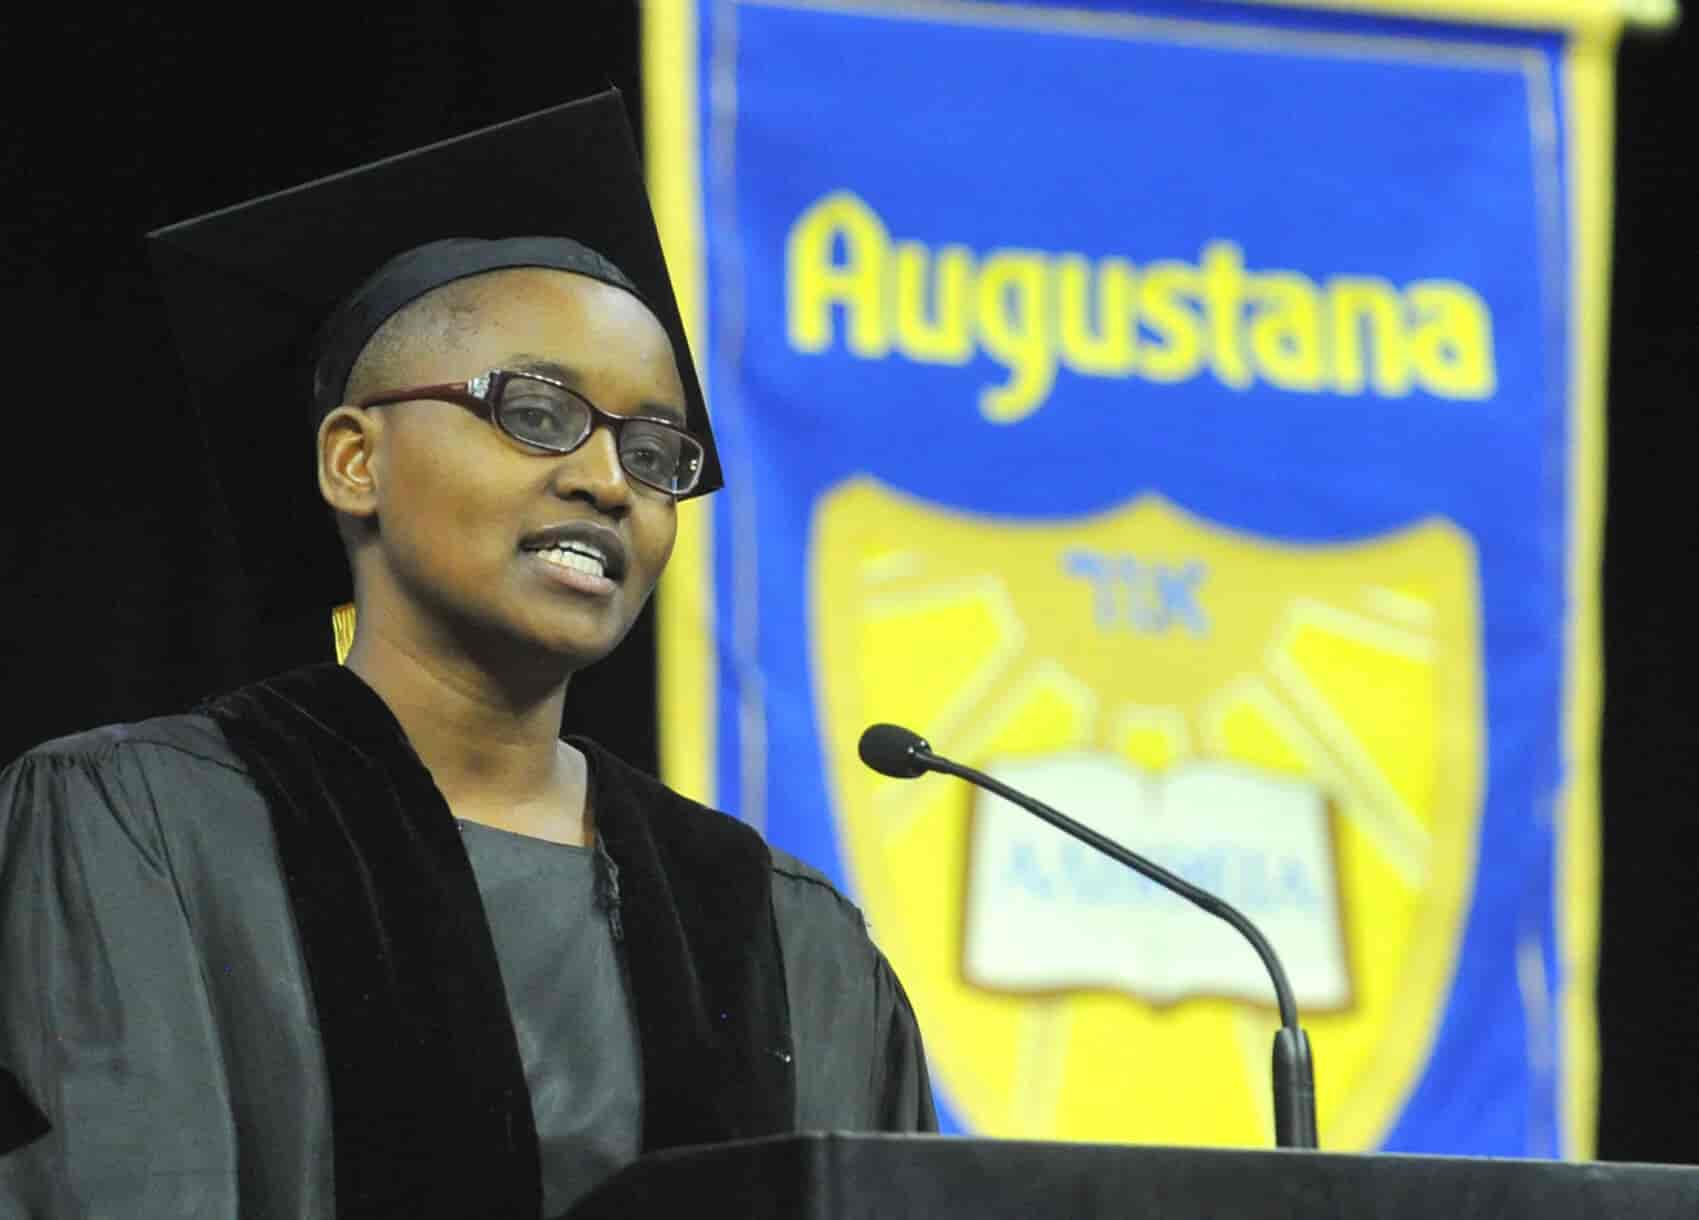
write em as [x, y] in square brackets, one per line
[593, 470]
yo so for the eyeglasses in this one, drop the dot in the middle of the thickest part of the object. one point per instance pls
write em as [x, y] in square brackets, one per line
[545, 414]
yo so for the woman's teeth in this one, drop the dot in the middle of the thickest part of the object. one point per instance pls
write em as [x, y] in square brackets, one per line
[578, 560]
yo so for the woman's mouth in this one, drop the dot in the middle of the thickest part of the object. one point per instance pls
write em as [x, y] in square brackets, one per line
[577, 565]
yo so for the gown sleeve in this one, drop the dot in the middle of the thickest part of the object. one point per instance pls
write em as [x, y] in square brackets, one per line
[860, 1063]
[105, 1024]
[903, 1089]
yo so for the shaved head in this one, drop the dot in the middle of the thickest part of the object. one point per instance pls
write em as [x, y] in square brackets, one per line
[439, 320]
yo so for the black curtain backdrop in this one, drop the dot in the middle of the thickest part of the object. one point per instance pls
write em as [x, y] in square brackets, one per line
[123, 589]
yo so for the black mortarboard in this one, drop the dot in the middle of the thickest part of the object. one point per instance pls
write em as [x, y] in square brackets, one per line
[250, 290]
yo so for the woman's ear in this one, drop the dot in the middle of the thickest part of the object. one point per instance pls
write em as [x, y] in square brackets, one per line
[347, 448]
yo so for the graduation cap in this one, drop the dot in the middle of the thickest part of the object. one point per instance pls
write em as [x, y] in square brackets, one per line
[271, 301]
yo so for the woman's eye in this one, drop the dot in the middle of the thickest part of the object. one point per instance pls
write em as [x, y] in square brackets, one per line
[533, 419]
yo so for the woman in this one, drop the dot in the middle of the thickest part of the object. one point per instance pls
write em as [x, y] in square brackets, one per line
[370, 939]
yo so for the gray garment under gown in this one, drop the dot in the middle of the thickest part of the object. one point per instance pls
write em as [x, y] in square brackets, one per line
[154, 1004]
[571, 1009]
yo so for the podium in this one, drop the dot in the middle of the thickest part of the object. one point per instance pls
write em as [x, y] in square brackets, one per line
[830, 1176]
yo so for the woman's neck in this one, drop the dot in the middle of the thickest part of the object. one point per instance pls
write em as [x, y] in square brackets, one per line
[494, 751]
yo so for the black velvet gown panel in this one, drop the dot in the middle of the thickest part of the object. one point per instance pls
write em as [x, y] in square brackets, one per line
[154, 1005]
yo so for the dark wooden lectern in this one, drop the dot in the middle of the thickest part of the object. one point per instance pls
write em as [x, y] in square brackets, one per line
[896, 1177]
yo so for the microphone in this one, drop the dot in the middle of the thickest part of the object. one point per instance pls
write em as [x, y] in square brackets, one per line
[892, 750]
[895, 751]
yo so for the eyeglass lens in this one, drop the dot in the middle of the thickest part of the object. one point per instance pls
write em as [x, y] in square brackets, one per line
[556, 419]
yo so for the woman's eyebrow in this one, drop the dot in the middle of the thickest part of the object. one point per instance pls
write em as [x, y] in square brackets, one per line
[548, 368]
[572, 377]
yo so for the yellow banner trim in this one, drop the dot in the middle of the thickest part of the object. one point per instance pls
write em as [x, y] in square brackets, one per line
[1598, 16]
[1589, 91]
[684, 612]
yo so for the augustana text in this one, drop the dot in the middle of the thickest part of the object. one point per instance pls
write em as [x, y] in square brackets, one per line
[1033, 312]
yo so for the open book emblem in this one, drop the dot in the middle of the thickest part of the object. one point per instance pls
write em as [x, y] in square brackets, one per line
[1298, 726]
[1047, 913]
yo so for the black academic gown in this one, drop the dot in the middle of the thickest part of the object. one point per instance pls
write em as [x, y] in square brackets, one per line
[164, 1002]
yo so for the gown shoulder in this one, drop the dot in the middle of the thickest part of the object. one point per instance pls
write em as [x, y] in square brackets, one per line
[106, 1028]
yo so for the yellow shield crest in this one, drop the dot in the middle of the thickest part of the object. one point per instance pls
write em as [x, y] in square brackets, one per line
[1297, 725]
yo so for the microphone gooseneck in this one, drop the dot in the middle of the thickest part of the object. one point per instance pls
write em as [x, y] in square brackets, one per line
[895, 751]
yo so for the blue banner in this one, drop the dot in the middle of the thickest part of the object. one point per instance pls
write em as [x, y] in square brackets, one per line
[1179, 410]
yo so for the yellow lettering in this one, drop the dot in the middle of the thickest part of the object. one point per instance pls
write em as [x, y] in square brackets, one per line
[1014, 326]
[1106, 348]
[1368, 302]
[1451, 341]
[1286, 336]
[1224, 300]
[942, 334]
[817, 280]
[1177, 354]
[1032, 311]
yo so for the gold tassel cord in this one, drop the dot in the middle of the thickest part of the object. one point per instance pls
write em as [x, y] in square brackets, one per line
[342, 630]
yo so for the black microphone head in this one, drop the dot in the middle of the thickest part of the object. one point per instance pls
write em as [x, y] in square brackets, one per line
[890, 750]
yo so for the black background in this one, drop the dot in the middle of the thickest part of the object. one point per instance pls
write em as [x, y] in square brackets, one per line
[123, 588]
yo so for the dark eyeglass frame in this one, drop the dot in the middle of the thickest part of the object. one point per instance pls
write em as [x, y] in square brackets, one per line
[480, 395]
